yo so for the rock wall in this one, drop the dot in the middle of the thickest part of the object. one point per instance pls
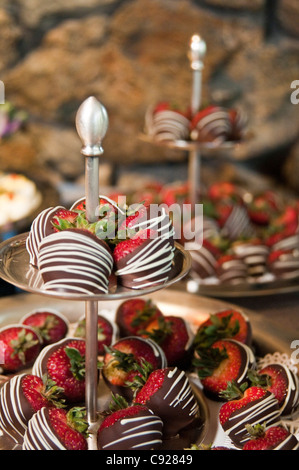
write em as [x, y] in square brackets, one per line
[133, 53]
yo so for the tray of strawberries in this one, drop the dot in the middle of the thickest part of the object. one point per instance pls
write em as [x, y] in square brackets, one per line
[244, 242]
[176, 371]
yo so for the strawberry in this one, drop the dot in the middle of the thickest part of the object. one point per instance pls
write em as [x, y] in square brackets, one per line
[231, 269]
[20, 346]
[130, 428]
[64, 219]
[211, 124]
[57, 429]
[177, 193]
[135, 314]
[127, 247]
[52, 326]
[129, 358]
[222, 190]
[273, 438]
[224, 362]
[229, 323]
[172, 334]
[282, 382]
[106, 332]
[288, 219]
[128, 223]
[29, 394]
[252, 406]
[167, 392]
[263, 208]
[64, 364]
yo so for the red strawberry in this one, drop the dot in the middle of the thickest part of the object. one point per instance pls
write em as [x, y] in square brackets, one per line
[128, 224]
[223, 190]
[20, 346]
[230, 323]
[57, 429]
[177, 193]
[172, 334]
[131, 428]
[288, 219]
[282, 382]
[106, 332]
[134, 315]
[64, 364]
[63, 219]
[254, 405]
[52, 326]
[224, 362]
[273, 438]
[129, 358]
[211, 124]
[168, 393]
[28, 394]
[126, 247]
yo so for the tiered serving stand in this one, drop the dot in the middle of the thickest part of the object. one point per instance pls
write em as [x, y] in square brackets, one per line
[92, 124]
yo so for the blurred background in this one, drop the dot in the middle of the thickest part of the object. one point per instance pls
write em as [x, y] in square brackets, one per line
[131, 54]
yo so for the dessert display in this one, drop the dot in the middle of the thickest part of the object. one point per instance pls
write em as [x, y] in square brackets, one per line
[19, 198]
[145, 403]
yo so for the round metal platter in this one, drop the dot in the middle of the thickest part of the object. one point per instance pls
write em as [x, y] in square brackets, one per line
[15, 269]
[195, 309]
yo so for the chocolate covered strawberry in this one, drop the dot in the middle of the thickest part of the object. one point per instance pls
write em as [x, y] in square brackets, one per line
[51, 325]
[229, 323]
[127, 359]
[130, 428]
[21, 397]
[282, 382]
[211, 124]
[134, 315]
[231, 269]
[224, 362]
[20, 346]
[166, 122]
[57, 429]
[64, 364]
[273, 438]
[253, 406]
[173, 335]
[145, 259]
[168, 393]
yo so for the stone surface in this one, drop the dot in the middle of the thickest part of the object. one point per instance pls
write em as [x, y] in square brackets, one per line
[10, 34]
[132, 54]
[288, 16]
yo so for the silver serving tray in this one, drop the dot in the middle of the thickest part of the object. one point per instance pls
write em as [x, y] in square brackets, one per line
[195, 309]
[15, 269]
